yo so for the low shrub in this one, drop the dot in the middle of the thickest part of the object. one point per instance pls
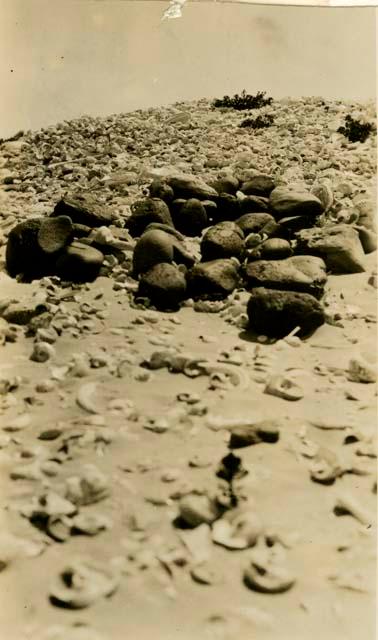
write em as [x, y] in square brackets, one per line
[243, 101]
[356, 131]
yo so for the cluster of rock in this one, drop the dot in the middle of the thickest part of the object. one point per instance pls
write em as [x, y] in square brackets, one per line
[66, 244]
[273, 240]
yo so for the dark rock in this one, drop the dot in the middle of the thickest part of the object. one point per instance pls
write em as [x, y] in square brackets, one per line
[156, 246]
[215, 279]
[256, 223]
[277, 313]
[253, 204]
[55, 233]
[228, 208]
[191, 218]
[339, 245]
[23, 312]
[164, 284]
[285, 202]
[227, 184]
[223, 240]
[84, 209]
[146, 211]
[175, 207]
[297, 273]
[191, 187]
[80, 230]
[368, 238]
[245, 436]
[275, 249]
[287, 227]
[211, 210]
[159, 226]
[23, 252]
[79, 262]
[160, 189]
[261, 185]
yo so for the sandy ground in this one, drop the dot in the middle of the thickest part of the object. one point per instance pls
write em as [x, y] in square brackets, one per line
[146, 603]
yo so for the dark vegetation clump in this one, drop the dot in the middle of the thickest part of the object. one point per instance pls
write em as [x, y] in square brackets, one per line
[243, 101]
[261, 122]
[356, 131]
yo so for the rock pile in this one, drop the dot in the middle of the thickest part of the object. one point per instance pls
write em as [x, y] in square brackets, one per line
[276, 241]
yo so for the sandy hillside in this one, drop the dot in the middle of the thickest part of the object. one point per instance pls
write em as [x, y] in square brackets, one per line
[119, 518]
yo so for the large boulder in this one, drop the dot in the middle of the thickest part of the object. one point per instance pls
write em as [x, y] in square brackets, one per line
[191, 217]
[256, 223]
[215, 279]
[143, 212]
[84, 209]
[287, 227]
[259, 185]
[285, 202]
[164, 284]
[339, 245]
[160, 189]
[276, 313]
[228, 208]
[191, 187]
[55, 233]
[271, 249]
[253, 204]
[156, 246]
[223, 240]
[79, 262]
[226, 184]
[296, 273]
[24, 254]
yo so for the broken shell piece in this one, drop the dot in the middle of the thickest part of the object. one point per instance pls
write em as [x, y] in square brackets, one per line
[325, 467]
[82, 583]
[42, 352]
[198, 543]
[59, 527]
[27, 472]
[159, 359]
[346, 504]
[239, 531]
[90, 523]
[12, 548]
[283, 387]
[361, 371]
[196, 510]
[18, 423]
[233, 374]
[188, 398]
[90, 487]
[45, 386]
[249, 434]
[353, 580]
[267, 572]
[85, 395]
[157, 425]
[46, 505]
[204, 573]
